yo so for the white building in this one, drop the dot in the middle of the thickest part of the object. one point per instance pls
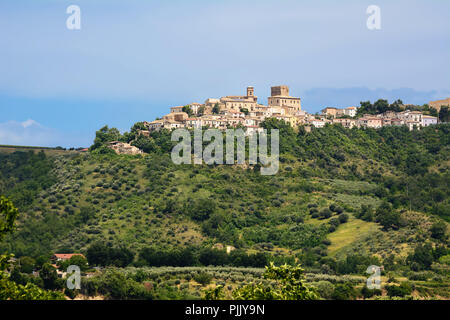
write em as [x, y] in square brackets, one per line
[195, 106]
[429, 120]
[317, 123]
[155, 125]
[350, 111]
[194, 123]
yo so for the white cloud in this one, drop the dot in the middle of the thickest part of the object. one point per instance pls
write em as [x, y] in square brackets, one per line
[32, 133]
[27, 133]
[29, 123]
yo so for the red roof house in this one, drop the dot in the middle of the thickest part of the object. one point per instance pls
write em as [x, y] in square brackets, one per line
[65, 256]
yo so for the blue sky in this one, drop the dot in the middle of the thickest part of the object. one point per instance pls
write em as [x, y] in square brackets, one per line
[132, 59]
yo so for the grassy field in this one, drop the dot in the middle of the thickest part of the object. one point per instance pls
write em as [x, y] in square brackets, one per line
[349, 233]
[48, 151]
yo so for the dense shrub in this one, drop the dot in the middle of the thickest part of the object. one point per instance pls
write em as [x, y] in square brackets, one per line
[325, 289]
[343, 218]
[344, 291]
[369, 293]
[325, 213]
[101, 255]
[402, 290]
[203, 278]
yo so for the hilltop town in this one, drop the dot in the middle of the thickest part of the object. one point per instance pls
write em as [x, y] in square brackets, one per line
[246, 112]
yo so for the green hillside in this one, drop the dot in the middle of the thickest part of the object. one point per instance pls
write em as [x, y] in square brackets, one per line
[371, 195]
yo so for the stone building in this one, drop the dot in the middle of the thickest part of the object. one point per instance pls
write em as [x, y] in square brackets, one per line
[279, 97]
[237, 103]
[415, 116]
[370, 122]
[439, 103]
[176, 109]
[176, 116]
[210, 103]
[330, 112]
[123, 148]
[346, 123]
[155, 125]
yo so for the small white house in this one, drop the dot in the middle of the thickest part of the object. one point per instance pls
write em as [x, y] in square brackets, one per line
[429, 120]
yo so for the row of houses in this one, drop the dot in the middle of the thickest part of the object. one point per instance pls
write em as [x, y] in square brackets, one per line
[246, 112]
[411, 119]
[225, 119]
[251, 121]
[331, 112]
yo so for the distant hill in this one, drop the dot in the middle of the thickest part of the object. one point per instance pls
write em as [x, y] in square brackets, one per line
[47, 150]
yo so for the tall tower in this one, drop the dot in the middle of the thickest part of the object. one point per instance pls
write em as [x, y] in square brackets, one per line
[250, 91]
[279, 91]
[279, 97]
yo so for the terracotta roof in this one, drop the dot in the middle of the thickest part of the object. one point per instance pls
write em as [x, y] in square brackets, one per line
[65, 256]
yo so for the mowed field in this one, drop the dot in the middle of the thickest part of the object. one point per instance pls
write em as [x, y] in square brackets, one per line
[348, 233]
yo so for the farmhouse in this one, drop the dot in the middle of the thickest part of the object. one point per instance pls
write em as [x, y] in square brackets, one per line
[65, 256]
[123, 148]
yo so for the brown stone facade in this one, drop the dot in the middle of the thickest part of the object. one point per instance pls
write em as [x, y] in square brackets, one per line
[439, 103]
